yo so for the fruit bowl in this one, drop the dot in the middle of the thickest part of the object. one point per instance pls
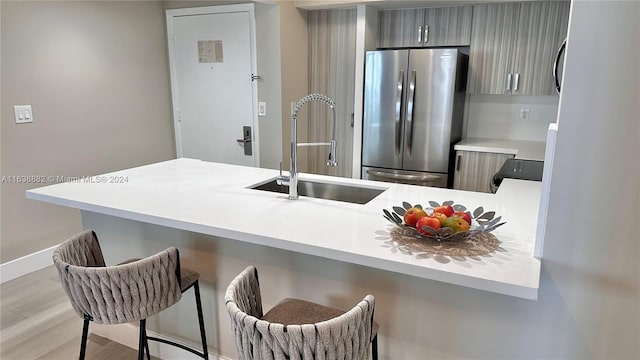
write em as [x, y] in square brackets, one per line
[455, 223]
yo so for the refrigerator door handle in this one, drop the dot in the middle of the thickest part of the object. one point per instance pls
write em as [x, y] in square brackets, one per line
[410, 101]
[508, 87]
[391, 176]
[420, 35]
[398, 120]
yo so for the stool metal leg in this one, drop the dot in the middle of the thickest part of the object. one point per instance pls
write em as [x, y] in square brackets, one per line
[205, 351]
[374, 348]
[141, 339]
[83, 342]
[146, 344]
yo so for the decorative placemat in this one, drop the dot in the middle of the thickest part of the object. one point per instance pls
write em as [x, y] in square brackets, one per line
[477, 244]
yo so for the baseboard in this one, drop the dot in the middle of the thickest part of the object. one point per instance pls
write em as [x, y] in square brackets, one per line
[127, 335]
[26, 264]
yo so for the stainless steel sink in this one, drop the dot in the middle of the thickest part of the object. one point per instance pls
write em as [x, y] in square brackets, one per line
[347, 193]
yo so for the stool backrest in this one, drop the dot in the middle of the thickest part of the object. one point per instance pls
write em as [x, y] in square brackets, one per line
[116, 294]
[346, 337]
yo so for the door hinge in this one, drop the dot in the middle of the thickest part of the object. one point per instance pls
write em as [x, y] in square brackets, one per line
[255, 77]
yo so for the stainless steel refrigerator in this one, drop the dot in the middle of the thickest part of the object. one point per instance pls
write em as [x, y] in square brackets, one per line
[413, 109]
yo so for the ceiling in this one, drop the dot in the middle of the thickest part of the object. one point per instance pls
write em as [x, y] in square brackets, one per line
[390, 4]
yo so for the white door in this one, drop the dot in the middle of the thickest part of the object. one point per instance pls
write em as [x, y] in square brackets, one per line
[212, 59]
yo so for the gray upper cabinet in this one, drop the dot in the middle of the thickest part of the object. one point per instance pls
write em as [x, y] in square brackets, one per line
[513, 47]
[444, 26]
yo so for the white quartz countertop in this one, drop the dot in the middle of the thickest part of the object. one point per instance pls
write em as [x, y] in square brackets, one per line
[525, 150]
[214, 199]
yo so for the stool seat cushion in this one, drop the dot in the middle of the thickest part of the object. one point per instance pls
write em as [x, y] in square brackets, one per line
[298, 312]
[187, 278]
[291, 311]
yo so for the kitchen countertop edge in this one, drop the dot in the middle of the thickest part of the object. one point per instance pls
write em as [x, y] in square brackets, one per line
[522, 149]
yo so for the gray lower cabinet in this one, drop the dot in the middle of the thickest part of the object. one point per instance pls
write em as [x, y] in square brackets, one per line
[474, 170]
[513, 47]
[442, 26]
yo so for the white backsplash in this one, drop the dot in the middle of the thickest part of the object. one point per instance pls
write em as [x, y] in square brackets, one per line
[498, 116]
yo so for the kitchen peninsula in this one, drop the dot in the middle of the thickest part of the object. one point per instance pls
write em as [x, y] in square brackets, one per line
[327, 251]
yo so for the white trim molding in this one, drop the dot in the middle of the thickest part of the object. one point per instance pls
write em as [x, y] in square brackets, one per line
[26, 264]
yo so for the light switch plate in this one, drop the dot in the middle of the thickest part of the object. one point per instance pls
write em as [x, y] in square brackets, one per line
[23, 114]
[262, 108]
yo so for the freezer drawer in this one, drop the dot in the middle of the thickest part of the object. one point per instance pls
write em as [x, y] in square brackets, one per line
[405, 177]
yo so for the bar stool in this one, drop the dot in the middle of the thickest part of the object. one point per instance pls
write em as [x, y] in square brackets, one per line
[298, 329]
[127, 292]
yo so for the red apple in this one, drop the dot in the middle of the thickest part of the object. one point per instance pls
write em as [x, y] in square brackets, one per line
[412, 215]
[464, 215]
[445, 209]
[431, 222]
[439, 216]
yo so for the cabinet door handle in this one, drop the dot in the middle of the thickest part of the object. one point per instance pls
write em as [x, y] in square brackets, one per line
[516, 80]
[458, 161]
[426, 34]
[508, 87]
[420, 34]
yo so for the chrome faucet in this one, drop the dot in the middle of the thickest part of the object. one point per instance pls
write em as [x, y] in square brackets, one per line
[292, 179]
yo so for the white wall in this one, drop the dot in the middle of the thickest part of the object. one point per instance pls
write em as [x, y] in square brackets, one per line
[96, 75]
[498, 116]
[270, 87]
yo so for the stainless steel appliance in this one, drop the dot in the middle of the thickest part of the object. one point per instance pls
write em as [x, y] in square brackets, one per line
[413, 108]
[517, 169]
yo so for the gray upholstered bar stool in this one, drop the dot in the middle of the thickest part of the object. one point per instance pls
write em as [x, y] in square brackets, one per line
[130, 291]
[298, 329]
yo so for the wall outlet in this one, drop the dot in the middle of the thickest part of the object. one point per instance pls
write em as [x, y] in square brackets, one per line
[524, 114]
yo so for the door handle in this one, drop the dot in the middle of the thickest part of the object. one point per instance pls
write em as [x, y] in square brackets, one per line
[410, 101]
[246, 140]
[420, 35]
[458, 162]
[391, 176]
[516, 81]
[398, 119]
[508, 87]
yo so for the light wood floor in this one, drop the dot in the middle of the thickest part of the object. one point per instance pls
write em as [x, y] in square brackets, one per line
[37, 322]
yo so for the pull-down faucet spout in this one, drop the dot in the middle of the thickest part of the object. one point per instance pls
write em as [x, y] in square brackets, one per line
[292, 179]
